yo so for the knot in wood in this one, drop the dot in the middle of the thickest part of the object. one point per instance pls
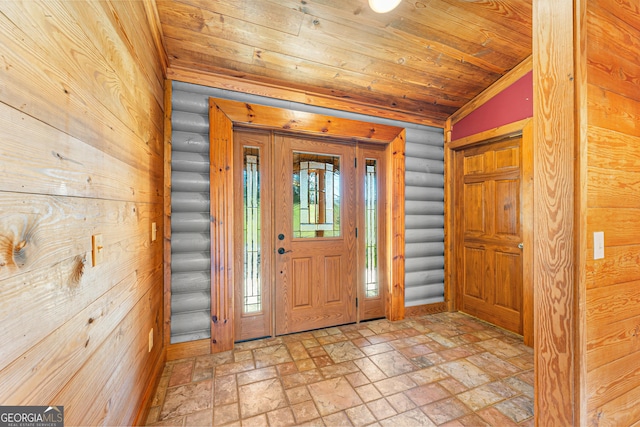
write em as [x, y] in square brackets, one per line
[20, 246]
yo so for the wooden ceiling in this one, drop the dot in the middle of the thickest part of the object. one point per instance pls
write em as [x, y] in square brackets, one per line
[422, 61]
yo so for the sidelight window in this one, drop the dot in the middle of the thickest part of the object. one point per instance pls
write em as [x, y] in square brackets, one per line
[252, 301]
[372, 287]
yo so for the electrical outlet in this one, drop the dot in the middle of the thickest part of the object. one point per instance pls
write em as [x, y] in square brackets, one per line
[154, 232]
[150, 340]
[598, 245]
[97, 249]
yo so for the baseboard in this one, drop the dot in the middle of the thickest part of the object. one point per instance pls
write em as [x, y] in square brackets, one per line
[188, 349]
[421, 310]
[147, 400]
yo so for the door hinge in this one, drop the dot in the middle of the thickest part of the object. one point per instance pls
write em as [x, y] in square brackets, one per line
[356, 302]
[356, 232]
[355, 162]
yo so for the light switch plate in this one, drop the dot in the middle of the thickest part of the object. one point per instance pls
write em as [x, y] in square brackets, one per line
[598, 245]
[97, 249]
[154, 232]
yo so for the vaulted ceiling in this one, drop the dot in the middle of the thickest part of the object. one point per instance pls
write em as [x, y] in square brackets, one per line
[425, 59]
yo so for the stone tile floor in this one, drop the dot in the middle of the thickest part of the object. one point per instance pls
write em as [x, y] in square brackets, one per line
[447, 369]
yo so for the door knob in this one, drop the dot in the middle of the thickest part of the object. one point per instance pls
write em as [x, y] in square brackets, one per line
[520, 245]
[282, 251]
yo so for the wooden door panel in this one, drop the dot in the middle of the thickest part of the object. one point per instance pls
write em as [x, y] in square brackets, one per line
[474, 262]
[316, 271]
[507, 158]
[507, 271]
[475, 200]
[474, 164]
[507, 209]
[302, 283]
[332, 276]
[491, 229]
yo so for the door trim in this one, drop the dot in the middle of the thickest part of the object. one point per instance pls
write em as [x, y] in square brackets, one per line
[223, 116]
[525, 128]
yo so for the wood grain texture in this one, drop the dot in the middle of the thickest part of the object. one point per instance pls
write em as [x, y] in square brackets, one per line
[188, 349]
[395, 303]
[613, 169]
[166, 241]
[609, 413]
[306, 123]
[612, 340]
[108, 89]
[620, 265]
[426, 309]
[422, 61]
[554, 228]
[222, 220]
[81, 108]
[450, 295]
[68, 166]
[528, 326]
[61, 280]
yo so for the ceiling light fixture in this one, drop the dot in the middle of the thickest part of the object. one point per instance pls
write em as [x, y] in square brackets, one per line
[383, 6]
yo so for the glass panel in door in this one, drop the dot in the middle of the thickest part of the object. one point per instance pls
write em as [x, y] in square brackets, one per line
[252, 229]
[315, 216]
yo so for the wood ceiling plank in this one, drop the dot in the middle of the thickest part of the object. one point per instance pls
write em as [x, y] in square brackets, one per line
[513, 16]
[465, 35]
[425, 58]
[418, 108]
[379, 58]
[267, 14]
[432, 90]
[381, 46]
[345, 14]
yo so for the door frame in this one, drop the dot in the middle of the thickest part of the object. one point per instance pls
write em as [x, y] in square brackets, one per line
[223, 116]
[452, 219]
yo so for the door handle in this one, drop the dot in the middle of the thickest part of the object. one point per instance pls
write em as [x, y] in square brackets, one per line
[282, 251]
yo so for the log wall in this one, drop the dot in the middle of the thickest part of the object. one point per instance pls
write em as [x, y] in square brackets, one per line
[613, 206]
[81, 153]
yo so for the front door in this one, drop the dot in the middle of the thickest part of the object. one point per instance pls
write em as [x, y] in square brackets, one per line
[489, 185]
[315, 225]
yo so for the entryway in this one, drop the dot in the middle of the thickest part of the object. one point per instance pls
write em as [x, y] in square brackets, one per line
[310, 232]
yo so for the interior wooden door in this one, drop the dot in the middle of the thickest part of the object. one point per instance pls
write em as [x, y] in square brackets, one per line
[489, 227]
[314, 225]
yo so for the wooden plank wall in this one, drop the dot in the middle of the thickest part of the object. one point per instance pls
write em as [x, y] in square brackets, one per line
[613, 206]
[81, 153]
